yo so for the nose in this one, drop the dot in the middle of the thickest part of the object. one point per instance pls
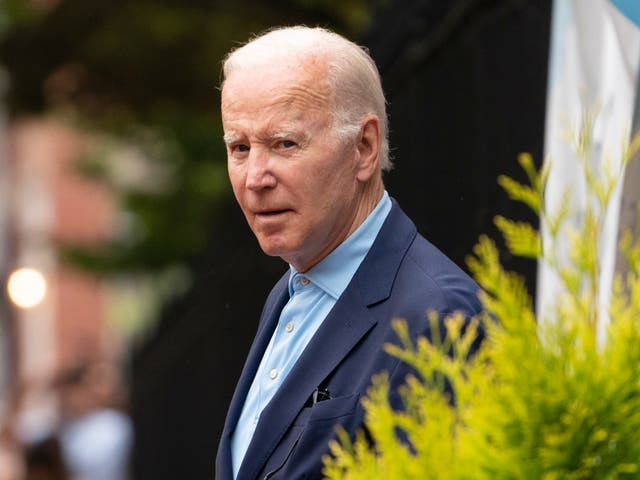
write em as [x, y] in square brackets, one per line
[259, 172]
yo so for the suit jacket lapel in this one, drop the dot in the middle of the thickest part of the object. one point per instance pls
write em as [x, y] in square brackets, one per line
[266, 326]
[339, 333]
[377, 273]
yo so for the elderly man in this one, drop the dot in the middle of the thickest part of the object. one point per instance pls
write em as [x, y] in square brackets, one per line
[306, 132]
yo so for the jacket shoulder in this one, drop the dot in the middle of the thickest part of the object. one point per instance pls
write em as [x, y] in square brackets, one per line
[435, 281]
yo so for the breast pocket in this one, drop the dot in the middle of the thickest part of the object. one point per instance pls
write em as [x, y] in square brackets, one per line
[313, 429]
[333, 408]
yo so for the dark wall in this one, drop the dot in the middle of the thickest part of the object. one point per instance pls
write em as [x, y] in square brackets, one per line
[184, 375]
[466, 84]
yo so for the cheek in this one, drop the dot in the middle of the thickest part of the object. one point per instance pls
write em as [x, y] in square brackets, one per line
[237, 181]
[334, 188]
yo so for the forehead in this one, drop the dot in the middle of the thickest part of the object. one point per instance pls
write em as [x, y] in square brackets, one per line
[253, 88]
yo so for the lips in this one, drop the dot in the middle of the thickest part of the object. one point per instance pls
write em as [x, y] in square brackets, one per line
[270, 211]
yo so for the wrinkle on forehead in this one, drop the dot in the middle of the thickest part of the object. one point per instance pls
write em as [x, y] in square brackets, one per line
[306, 95]
[251, 100]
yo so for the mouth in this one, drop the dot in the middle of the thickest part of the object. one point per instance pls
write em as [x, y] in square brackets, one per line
[271, 213]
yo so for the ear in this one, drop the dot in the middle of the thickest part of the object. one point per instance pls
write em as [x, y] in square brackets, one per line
[368, 147]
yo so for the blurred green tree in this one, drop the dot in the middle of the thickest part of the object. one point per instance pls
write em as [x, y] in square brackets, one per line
[141, 76]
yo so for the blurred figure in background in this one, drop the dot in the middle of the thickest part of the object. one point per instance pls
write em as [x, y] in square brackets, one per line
[95, 435]
[29, 444]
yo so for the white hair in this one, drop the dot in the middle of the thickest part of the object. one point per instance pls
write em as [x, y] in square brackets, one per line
[352, 76]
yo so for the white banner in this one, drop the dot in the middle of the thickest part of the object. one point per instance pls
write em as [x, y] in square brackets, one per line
[594, 59]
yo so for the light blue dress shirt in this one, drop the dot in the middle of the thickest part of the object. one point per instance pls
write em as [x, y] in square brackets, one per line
[312, 296]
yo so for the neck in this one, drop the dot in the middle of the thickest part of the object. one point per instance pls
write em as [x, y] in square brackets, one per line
[369, 198]
[371, 195]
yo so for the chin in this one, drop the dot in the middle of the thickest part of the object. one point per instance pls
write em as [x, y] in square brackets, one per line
[271, 248]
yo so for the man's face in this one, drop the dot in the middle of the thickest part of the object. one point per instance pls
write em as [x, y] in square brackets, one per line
[293, 178]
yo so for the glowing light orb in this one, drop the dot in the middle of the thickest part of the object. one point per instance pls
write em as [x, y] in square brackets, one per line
[26, 287]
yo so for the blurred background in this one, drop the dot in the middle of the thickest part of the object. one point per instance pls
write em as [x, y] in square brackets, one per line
[131, 285]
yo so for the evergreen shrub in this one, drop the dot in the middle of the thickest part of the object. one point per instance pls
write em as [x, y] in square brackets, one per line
[544, 397]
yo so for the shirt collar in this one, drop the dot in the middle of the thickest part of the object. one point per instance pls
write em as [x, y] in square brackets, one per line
[334, 272]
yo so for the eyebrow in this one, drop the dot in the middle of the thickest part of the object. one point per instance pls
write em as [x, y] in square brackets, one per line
[230, 138]
[284, 134]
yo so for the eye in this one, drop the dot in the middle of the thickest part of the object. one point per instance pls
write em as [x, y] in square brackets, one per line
[285, 145]
[239, 148]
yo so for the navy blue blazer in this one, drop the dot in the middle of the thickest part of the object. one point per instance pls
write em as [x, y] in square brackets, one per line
[402, 276]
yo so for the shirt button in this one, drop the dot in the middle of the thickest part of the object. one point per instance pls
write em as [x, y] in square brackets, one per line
[304, 280]
[289, 327]
[273, 374]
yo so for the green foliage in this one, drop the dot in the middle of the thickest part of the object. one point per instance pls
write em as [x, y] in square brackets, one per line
[540, 399]
[168, 202]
